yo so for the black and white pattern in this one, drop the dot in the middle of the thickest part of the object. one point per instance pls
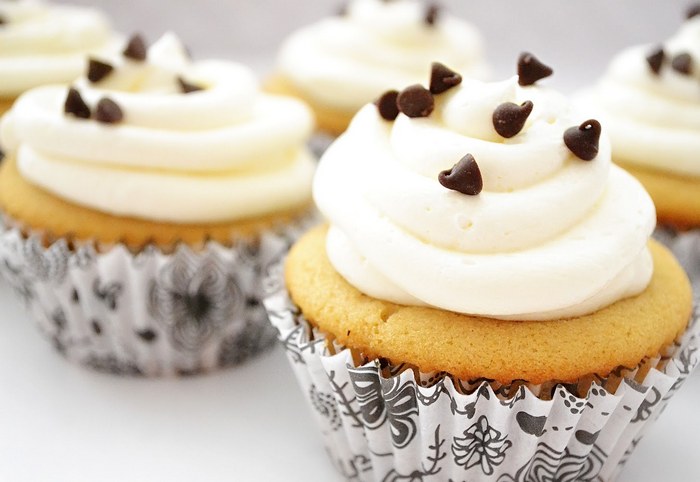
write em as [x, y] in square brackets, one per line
[151, 313]
[392, 423]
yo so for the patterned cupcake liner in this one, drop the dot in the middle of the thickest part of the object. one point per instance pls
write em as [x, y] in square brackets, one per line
[686, 246]
[388, 423]
[151, 313]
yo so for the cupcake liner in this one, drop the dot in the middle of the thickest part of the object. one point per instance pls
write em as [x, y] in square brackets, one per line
[151, 313]
[686, 246]
[388, 423]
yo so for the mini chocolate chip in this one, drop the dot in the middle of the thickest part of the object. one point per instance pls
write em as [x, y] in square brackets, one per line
[530, 69]
[683, 63]
[416, 101]
[464, 177]
[342, 9]
[583, 140]
[136, 48]
[432, 14]
[3, 21]
[387, 105]
[693, 11]
[98, 70]
[108, 112]
[509, 118]
[443, 78]
[187, 87]
[75, 105]
[656, 60]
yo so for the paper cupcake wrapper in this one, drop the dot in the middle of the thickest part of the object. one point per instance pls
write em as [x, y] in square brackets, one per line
[392, 423]
[149, 313]
[686, 246]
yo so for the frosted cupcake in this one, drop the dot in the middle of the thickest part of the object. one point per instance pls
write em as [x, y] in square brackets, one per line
[650, 101]
[145, 202]
[486, 303]
[341, 63]
[42, 43]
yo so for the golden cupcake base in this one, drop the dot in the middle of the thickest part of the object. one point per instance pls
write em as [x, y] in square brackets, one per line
[470, 347]
[677, 198]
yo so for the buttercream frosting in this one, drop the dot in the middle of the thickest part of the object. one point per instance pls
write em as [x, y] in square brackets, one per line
[224, 153]
[346, 61]
[653, 118]
[42, 43]
[550, 236]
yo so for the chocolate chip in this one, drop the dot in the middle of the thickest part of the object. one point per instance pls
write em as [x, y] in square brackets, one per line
[583, 140]
[108, 112]
[386, 105]
[432, 13]
[693, 11]
[98, 70]
[509, 118]
[683, 63]
[416, 101]
[3, 21]
[342, 9]
[530, 69]
[187, 87]
[75, 105]
[136, 48]
[656, 60]
[464, 177]
[443, 78]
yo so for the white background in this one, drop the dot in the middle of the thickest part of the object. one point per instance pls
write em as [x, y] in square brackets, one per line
[61, 423]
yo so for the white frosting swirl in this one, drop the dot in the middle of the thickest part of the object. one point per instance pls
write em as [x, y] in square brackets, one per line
[346, 61]
[45, 44]
[550, 236]
[653, 120]
[225, 153]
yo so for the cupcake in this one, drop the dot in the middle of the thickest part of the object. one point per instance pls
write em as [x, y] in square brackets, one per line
[650, 101]
[339, 64]
[145, 202]
[485, 303]
[41, 44]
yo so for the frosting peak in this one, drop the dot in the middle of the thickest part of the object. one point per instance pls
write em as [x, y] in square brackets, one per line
[165, 139]
[523, 227]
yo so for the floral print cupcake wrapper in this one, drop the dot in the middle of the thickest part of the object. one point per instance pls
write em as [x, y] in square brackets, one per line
[389, 423]
[149, 313]
[686, 246]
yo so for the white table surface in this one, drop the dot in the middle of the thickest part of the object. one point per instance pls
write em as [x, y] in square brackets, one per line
[61, 423]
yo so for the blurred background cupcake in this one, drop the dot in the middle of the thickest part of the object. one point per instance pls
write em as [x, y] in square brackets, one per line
[486, 303]
[47, 43]
[342, 62]
[650, 101]
[144, 203]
